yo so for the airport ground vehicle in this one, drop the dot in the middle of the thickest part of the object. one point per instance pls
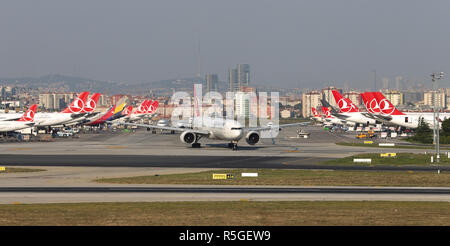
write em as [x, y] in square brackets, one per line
[369, 134]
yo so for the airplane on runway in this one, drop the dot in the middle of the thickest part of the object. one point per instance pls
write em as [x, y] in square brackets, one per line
[348, 111]
[73, 111]
[383, 110]
[146, 108]
[334, 120]
[113, 113]
[317, 117]
[25, 121]
[217, 128]
[88, 109]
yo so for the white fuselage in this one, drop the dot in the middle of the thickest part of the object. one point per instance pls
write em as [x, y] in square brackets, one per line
[9, 126]
[411, 120]
[52, 119]
[358, 117]
[219, 128]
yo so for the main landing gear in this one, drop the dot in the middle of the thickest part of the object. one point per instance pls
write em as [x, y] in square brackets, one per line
[232, 146]
[196, 144]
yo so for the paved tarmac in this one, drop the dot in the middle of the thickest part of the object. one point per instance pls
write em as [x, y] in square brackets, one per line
[161, 194]
[75, 162]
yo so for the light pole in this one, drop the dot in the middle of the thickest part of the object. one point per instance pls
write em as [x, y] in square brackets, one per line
[434, 78]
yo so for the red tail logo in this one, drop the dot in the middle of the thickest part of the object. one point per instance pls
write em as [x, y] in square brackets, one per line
[345, 104]
[91, 104]
[326, 111]
[29, 114]
[78, 104]
[314, 111]
[385, 106]
[128, 111]
[153, 107]
[143, 107]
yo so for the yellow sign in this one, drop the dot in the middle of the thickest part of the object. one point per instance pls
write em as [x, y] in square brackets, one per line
[368, 142]
[388, 155]
[219, 176]
[222, 176]
[2, 169]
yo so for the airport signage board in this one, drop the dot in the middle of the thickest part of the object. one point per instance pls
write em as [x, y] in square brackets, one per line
[388, 155]
[386, 144]
[249, 174]
[219, 176]
[222, 176]
[2, 169]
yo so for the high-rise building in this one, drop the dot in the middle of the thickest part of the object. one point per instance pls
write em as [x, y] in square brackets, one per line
[440, 99]
[395, 97]
[310, 99]
[212, 82]
[354, 96]
[385, 82]
[398, 83]
[239, 77]
[243, 74]
[233, 79]
[327, 95]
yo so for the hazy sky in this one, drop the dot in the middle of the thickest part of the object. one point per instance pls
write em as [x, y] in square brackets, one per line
[292, 43]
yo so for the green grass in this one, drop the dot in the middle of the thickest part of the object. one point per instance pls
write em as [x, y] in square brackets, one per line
[402, 159]
[296, 177]
[21, 170]
[228, 213]
[397, 146]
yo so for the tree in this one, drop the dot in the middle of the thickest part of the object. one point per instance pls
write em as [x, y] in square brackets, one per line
[444, 134]
[423, 133]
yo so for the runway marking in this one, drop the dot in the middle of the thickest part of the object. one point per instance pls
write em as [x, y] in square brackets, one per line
[116, 147]
[296, 161]
[19, 148]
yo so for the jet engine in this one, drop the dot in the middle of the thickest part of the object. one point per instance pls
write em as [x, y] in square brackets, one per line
[188, 137]
[252, 138]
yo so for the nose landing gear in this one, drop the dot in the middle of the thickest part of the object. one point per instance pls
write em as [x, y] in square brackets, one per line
[232, 146]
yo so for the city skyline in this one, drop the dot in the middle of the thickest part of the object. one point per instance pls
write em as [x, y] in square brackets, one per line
[291, 44]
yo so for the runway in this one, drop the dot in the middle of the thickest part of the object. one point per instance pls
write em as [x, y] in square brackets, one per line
[18, 195]
[228, 189]
[271, 162]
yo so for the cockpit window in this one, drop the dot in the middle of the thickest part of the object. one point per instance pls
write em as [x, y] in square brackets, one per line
[236, 128]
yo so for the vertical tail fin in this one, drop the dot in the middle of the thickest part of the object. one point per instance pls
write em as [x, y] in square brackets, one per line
[78, 104]
[91, 103]
[371, 102]
[386, 107]
[314, 111]
[128, 111]
[345, 104]
[143, 107]
[153, 107]
[29, 114]
[326, 112]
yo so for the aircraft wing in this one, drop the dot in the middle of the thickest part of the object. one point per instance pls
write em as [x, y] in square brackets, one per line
[341, 116]
[264, 128]
[169, 128]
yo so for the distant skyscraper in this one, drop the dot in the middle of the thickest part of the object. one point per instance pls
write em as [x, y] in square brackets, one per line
[243, 74]
[385, 82]
[233, 79]
[398, 82]
[212, 82]
[239, 77]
